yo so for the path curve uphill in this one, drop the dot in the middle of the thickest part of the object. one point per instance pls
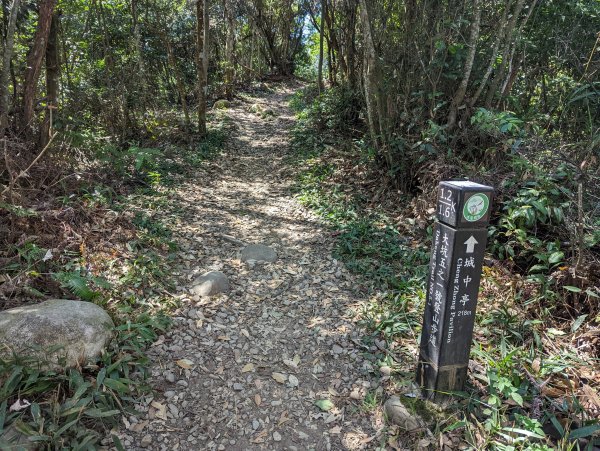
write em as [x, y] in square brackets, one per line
[275, 361]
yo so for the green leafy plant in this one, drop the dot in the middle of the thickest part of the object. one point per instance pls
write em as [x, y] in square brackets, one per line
[75, 409]
[497, 123]
[82, 285]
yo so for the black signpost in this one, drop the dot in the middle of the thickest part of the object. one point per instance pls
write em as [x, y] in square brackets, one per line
[459, 240]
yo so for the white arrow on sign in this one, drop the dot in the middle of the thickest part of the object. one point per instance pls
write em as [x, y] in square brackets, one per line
[471, 242]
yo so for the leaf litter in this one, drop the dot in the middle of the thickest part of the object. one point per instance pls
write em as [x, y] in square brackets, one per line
[246, 368]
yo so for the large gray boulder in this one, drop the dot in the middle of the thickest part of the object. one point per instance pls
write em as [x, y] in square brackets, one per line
[57, 332]
[211, 283]
[258, 253]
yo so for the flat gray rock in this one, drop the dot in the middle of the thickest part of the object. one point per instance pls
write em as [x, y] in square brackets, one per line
[56, 332]
[211, 283]
[399, 415]
[259, 253]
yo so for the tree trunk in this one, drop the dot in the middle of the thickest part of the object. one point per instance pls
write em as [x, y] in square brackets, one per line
[178, 79]
[372, 81]
[201, 65]
[459, 96]
[206, 45]
[493, 55]
[138, 52]
[52, 80]
[499, 76]
[321, 35]
[229, 44]
[350, 45]
[35, 58]
[6, 64]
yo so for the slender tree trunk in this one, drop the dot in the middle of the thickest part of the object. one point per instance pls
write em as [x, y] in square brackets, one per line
[201, 57]
[332, 63]
[206, 43]
[321, 36]
[178, 79]
[513, 70]
[35, 58]
[459, 96]
[52, 80]
[493, 55]
[350, 46]
[252, 45]
[6, 65]
[333, 39]
[372, 83]
[229, 48]
[499, 76]
[138, 51]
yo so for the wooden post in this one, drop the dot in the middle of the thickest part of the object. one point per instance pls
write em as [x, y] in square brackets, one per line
[458, 246]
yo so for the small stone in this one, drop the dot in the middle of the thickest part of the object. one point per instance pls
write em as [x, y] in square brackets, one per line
[255, 424]
[238, 387]
[399, 415]
[222, 104]
[276, 436]
[302, 435]
[385, 370]
[258, 253]
[146, 441]
[293, 381]
[170, 377]
[210, 284]
[337, 349]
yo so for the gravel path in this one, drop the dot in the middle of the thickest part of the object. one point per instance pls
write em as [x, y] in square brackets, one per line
[243, 371]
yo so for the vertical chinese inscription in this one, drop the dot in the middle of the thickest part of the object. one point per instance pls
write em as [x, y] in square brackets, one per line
[458, 245]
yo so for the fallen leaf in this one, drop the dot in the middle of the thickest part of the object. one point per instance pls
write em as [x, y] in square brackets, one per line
[257, 400]
[139, 427]
[283, 418]
[185, 363]
[331, 418]
[160, 341]
[248, 367]
[324, 404]
[279, 377]
[335, 430]
[126, 423]
[161, 410]
[293, 365]
[19, 405]
[260, 437]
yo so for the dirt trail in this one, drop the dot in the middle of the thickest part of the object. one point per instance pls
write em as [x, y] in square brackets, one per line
[293, 317]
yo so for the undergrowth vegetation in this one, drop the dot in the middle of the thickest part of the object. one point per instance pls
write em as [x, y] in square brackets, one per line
[94, 238]
[533, 370]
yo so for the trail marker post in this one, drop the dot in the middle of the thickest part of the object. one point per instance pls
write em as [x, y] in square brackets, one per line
[458, 245]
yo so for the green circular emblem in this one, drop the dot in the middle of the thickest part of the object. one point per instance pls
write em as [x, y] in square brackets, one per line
[476, 207]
